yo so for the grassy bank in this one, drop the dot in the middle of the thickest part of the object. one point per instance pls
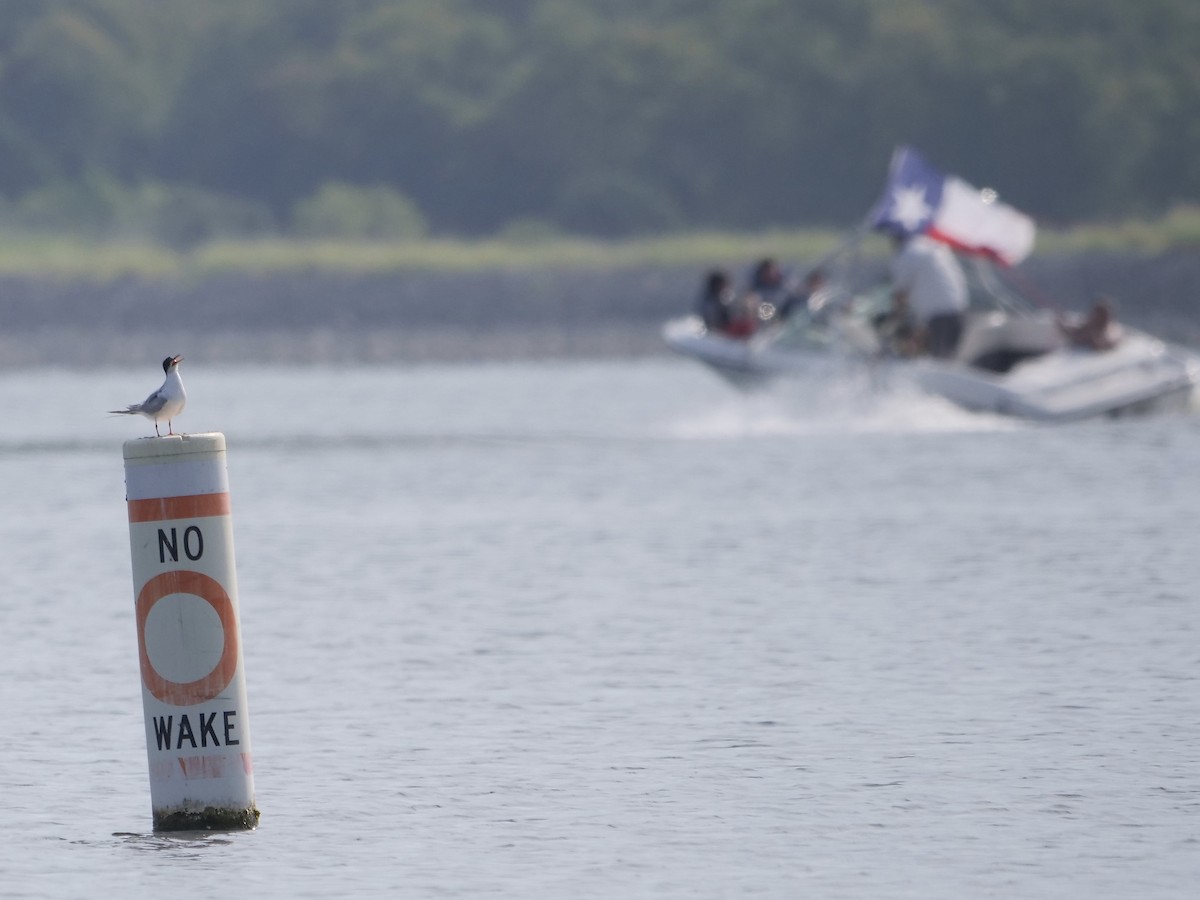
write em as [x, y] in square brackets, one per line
[74, 258]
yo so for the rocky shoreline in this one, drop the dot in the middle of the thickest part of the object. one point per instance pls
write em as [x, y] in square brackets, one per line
[418, 317]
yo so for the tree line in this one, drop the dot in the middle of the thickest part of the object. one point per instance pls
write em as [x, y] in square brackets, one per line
[399, 118]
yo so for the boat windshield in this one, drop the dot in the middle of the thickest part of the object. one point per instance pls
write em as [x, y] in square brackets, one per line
[852, 311]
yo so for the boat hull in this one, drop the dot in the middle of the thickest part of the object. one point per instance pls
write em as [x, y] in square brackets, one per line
[1140, 374]
[745, 363]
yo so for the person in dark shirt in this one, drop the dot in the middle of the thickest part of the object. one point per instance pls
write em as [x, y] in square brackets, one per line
[1097, 331]
[716, 300]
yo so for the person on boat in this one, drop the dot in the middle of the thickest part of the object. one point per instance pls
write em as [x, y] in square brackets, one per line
[716, 300]
[744, 316]
[1097, 331]
[929, 295]
[766, 277]
[767, 283]
[804, 298]
[723, 311]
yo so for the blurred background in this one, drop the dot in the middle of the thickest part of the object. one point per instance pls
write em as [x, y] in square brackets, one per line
[551, 173]
[531, 608]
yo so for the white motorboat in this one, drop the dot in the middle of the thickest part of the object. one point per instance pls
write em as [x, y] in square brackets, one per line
[1012, 357]
[1023, 367]
[1010, 360]
[746, 363]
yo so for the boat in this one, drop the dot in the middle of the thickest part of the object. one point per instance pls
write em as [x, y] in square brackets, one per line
[744, 362]
[1015, 357]
[1050, 380]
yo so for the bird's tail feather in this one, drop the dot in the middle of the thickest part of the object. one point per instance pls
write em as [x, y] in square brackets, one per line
[131, 411]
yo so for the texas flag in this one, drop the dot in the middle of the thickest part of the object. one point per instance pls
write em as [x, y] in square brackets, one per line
[919, 199]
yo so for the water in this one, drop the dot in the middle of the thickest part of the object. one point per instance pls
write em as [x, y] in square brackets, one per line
[611, 630]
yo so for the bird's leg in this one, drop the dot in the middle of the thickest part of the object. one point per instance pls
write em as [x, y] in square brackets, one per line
[157, 433]
[170, 430]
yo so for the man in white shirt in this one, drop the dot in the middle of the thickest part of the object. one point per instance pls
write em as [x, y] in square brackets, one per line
[930, 289]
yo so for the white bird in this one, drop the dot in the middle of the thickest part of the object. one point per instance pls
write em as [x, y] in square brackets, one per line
[165, 403]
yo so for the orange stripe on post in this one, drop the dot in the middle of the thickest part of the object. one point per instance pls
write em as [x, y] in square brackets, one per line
[195, 506]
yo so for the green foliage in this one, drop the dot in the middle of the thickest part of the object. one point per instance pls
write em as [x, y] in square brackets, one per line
[614, 205]
[340, 210]
[625, 117]
[97, 206]
[86, 259]
[1178, 230]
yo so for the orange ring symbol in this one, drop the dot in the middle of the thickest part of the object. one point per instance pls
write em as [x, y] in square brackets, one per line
[189, 693]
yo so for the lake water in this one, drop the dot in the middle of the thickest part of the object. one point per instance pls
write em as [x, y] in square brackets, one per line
[609, 629]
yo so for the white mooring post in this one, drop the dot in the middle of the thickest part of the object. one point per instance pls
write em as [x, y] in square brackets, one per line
[188, 628]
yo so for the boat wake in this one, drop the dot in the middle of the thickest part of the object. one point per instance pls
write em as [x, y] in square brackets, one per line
[849, 403]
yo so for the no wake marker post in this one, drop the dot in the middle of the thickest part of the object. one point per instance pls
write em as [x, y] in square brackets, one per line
[189, 633]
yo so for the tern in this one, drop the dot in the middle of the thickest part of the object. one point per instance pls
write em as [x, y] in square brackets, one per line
[165, 403]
